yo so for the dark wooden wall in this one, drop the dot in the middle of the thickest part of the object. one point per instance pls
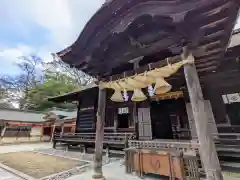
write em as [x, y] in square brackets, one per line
[87, 111]
[86, 120]
[225, 80]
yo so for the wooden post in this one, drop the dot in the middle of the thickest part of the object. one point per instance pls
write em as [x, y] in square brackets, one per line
[135, 108]
[3, 131]
[115, 122]
[207, 147]
[53, 130]
[62, 130]
[97, 168]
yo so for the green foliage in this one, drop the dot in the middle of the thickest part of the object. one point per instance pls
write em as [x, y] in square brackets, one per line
[53, 85]
[38, 80]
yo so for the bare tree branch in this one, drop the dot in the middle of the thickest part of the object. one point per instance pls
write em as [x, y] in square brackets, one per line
[82, 79]
[18, 86]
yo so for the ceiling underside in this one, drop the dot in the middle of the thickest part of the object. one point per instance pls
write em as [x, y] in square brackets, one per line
[123, 30]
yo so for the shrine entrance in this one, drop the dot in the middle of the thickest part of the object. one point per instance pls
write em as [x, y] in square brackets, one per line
[130, 45]
[169, 119]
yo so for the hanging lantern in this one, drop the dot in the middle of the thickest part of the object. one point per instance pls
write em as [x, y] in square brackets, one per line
[117, 96]
[161, 86]
[138, 95]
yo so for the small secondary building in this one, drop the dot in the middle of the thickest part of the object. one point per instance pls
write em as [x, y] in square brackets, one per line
[60, 122]
[23, 126]
[20, 125]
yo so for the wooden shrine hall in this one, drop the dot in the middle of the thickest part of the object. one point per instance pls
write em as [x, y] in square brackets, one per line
[142, 51]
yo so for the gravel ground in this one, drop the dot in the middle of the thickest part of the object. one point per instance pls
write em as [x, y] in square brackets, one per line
[38, 165]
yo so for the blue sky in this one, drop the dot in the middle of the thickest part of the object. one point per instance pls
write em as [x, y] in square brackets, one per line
[40, 27]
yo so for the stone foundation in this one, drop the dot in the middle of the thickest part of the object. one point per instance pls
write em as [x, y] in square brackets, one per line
[16, 140]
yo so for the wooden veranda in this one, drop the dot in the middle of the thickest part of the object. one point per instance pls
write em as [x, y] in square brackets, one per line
[125, 38]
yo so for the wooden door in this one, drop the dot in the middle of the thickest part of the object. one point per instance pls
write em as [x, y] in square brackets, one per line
[211, 120]
[144, 124]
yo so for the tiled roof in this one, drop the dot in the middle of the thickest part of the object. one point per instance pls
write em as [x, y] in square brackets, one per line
[21, 115]
[63, 115]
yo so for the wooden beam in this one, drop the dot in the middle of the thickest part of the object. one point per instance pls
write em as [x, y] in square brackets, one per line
[97, 167]
[215, 34]
[207, 147]
[218, 50]
[215, 23]
[218, 9]
[139, 70]
[207, 64]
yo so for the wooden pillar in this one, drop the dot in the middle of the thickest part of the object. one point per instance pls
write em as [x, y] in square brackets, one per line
[78, 113]
[53, 130]
[207, 147]
[115, 122]
[135, 108]
[3, 131]
[62, 130]
[97, 167]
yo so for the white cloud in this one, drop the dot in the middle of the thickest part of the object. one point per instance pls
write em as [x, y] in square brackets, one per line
[62, 19]
[11, 55]
[237, 26]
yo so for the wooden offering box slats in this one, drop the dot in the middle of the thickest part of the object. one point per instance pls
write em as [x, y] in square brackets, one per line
[160, 162]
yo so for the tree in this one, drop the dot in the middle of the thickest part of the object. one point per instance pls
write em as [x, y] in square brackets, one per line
[50, 87]
[17, 87]
[3, 101]
[38, 80]
[59, 67]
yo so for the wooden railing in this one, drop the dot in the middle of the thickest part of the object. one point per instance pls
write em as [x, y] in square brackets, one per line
[183, 145]
[109, 138]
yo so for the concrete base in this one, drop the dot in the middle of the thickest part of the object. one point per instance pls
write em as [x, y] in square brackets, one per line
[97, 176]
[102, 178]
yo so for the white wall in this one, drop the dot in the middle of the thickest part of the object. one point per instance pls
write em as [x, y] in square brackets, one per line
[36, 131]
